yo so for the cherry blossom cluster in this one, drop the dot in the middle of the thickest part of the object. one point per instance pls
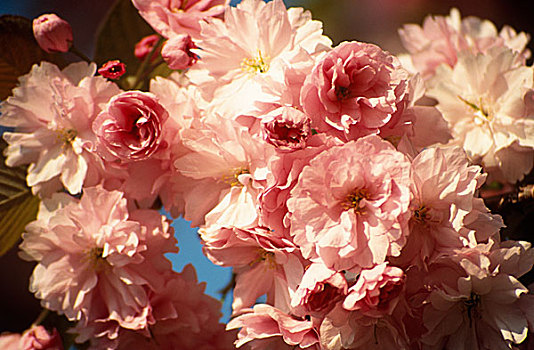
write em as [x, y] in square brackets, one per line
[341, 182]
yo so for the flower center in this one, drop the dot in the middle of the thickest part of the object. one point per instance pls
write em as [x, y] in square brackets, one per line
[471, 307]
[421, 214]
[233, 179]
[181, 8]
[342, 93]
[353, 200]
[66, 135]
[265, 256]
[324, 297]
[482, 115]
[258, 64]
[96, 259]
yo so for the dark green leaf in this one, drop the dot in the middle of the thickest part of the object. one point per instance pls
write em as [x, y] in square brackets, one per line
[17, 204]
[122, 28]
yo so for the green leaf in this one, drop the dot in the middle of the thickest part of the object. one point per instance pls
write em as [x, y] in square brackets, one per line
[122, 28]
[17, 204]
[18, 52]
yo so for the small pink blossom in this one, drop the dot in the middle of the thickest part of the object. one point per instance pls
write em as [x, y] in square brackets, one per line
[177, 52]
[38, 338]
[52, 33]
[179, 16]
[265, 321]
[130, 128]
[145, 46]
[350, 208]
[286, 128]
[319, 291]
[376, 292]
[112, 69]
[271, 37]
[354, 90]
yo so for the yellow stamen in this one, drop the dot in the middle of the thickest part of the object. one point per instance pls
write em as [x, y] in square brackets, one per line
[353, 199]
[257, 64]
[66, 135]
[233, 178]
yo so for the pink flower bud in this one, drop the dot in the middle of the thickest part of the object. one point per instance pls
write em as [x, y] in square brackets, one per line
[37, 338]
[177, 52]
[287, 128]
[112, 69]
[52, 33]
[145, 45]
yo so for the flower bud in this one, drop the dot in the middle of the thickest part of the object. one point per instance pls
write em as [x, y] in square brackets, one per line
[52, 33]
[145, 45]
[112, 69]
[38, 338]
[177, 52]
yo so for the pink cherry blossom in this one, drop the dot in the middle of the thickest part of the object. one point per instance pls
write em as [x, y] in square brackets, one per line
[445, 210]
[51, 112]
[186, 320]
[441, 39]
[53, 34]
[270, 36]
[376, 291]
[284, 170]
[130, 127]
[342, 329]
[286, 128]
[319, 291]
[263, 262]
[264, 321]
[472, 304]
[228, 166]
[350, 208]
[96, 260]
[38, 338]
[354, 90]
[179, 16]
[484, 100]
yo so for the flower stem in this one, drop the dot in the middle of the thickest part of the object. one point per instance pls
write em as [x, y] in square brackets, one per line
[42, 316]
[80, 54]
[140, 74]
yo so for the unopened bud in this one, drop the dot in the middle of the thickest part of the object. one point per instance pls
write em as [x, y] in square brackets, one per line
[177, 52]
[52, 33]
